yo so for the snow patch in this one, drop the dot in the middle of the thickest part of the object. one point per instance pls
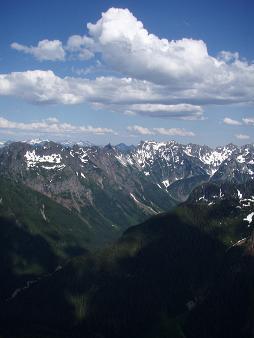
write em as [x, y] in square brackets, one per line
[240, 159]
[166, 183]
[142, 205]
[240, 196]
[121, 159]
[249, 218]
[33, 159]
[58, 167]
[42, 210]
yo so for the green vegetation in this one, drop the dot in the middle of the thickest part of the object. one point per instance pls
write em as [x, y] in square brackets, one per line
[221, 220]
[174, 275]
[135, 287]
[36, 235]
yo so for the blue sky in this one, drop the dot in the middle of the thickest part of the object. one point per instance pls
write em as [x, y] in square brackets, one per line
[158, 70]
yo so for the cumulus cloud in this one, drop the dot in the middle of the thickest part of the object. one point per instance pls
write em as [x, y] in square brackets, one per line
[46, 50]
[242, 136]
[45, 87]
[119, 94]
[249, 120]
[160, 131]
[52, 126]
[54, 50]
[127, 47]
[156, 77]
[228, 57]
[38, 87]
[229, 121]
[80, 47]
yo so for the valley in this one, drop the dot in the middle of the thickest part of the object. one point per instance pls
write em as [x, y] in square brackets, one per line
[69, 236]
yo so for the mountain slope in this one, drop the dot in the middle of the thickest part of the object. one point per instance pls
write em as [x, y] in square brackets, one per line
[37, 235]
[169, 164]
[112, 188]
[228, 309]
[90, 181]
[149, 284]
[154, 271]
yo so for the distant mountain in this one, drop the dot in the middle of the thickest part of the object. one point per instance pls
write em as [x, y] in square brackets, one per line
[175, 169]
[111, 188]
[90, 181]
[167, 277]
[58, 201]
[36, 141]
[123, 148]
[240, 195]
[169, 164]
[171, 276]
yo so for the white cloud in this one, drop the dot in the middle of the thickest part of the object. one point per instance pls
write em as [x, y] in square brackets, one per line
[229, 121]
[38, 87]
[77, 42]
[228, 57]
[173, 132]
[119, 94]
[54, 50]
[52, 120]
[126, 95]
[184, 66]
[80, 47]
[45, 87]
[140, 130]
[52, 126]
[160, 131]
[245, 120]
[249, 120]
[45, 50]
[128, 48]
[160, 77]
[242, 136]
[184, 111]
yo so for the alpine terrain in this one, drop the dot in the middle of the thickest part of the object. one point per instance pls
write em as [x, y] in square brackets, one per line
[75, 262]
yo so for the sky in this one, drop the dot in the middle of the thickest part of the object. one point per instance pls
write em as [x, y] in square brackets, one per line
[125, 71]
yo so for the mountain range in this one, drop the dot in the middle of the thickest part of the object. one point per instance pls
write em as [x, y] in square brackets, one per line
[69, 235]
[136, 181]
[171, 276]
